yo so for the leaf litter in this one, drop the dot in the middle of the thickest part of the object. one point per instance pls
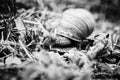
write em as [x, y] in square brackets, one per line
[26, 59]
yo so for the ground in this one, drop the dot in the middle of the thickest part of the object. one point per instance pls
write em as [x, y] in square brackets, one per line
[23, 58]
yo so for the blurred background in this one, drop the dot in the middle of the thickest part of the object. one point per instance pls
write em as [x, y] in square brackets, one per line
[107, 9]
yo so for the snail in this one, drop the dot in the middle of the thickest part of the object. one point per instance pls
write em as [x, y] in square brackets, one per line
[75, 25]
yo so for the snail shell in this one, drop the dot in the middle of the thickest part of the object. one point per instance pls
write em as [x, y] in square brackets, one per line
[76, 24]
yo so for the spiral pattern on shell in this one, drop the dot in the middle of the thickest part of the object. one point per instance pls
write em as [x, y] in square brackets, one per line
[76, 24]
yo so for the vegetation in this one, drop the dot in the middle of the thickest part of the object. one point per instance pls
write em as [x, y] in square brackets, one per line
[25, 24]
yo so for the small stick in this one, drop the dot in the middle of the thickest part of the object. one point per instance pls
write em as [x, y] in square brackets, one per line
[25, 50]
[41, 26]
[31, 22]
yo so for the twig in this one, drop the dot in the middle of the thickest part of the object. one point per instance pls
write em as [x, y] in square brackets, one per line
[30, 43]
[8, 35]
[2, 39]
[31, 22]
[41, 26]
[25, 50]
